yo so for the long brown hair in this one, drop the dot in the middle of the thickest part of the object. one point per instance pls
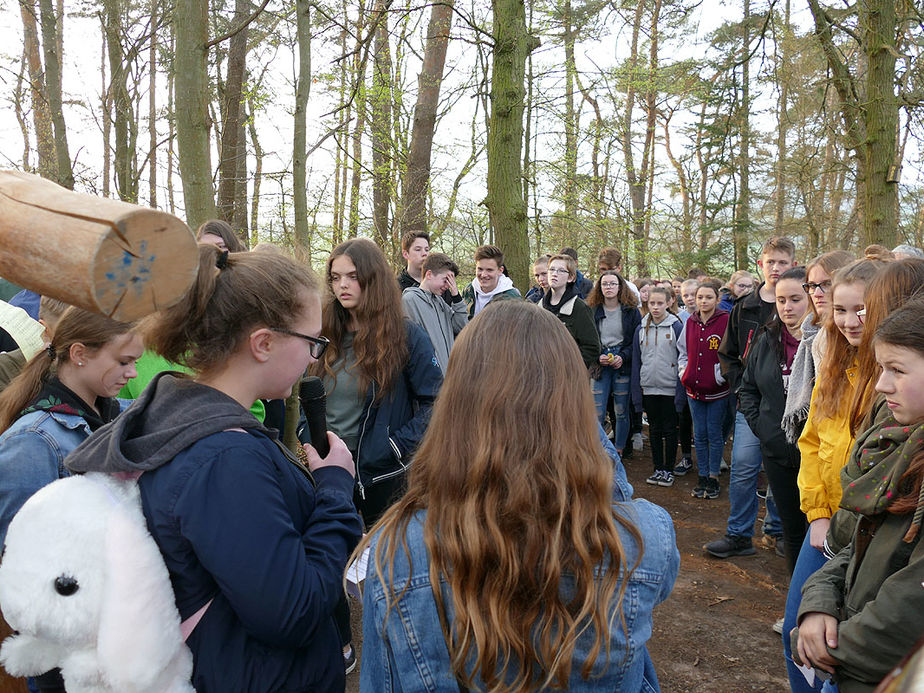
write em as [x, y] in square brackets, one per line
[832, 382]
[380, 343]
[830, 262]
[512, 509]
[625, 296]
[897, 283]
[224, 304]
[76, 326]
[905, 328]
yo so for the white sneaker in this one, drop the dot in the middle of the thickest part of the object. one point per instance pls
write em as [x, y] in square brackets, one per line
[637, 442]
[778, 626]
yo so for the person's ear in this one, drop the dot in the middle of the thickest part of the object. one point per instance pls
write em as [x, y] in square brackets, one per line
[78, 353]
[261, 344]
[404, 254]
[760, 263]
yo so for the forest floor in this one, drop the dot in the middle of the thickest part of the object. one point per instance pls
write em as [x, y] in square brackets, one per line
[714, 634]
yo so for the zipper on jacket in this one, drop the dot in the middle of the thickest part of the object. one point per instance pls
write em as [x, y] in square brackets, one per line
[359, 445]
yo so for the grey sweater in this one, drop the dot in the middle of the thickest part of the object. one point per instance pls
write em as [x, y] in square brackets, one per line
[441, 321]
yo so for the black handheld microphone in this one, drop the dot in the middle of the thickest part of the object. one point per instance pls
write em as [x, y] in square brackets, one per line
[313, 399]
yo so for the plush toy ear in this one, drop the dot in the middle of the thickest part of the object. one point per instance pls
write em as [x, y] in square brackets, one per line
[139, 627]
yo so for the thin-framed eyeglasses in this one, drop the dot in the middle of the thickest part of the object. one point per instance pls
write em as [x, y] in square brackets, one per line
[557, 270]
[609, 285]
[316, 345]
[809, 287]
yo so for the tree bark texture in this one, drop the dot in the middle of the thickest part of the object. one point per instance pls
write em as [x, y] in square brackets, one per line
[233, 146]
[192, 115]
[300, 125]
[53, 89]
[417, 176]
[41, 113]
[505, 203]
[380, 97]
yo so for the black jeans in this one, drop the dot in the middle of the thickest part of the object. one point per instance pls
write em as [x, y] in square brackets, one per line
[782, 479]
[662, 430]
[685, 430]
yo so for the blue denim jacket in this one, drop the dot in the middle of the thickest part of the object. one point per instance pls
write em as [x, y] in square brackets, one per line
[411, 654]
[32, 453]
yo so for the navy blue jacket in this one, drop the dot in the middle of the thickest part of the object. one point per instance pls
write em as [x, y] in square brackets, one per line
[243, 528]
[583, 285]
[631, 319]
[390, 429]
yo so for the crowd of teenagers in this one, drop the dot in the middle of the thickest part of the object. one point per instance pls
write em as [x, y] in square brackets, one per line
[476, 440]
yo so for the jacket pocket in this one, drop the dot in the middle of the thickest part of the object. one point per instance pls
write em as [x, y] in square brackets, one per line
[719, 378]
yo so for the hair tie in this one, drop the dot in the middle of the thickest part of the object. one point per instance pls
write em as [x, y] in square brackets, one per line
[222, 260]
[50, 350]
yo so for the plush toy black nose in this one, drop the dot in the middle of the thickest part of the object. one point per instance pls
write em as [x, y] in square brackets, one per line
[66, 586]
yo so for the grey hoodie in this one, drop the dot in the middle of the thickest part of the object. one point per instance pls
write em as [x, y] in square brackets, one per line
[172, 413]
[659, 353]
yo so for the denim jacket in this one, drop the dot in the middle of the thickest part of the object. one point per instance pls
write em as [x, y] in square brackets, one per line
[32, 453]
[411, 654]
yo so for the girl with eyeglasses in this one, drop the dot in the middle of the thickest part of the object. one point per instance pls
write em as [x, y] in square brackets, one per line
[616, 316]
[254, 540]
[381, 377]
[562, 299]
[811, 347]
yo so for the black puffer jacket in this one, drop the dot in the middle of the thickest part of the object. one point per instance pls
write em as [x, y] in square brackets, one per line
[761, 399]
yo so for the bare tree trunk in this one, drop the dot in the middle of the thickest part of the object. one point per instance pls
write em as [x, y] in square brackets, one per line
[380, 126]
[505, 203]
[123, 115]
[41, 113]
[230, 204]
[52, 52]
[152, 110]
[192, 114]
[417, 176]
[106, 93]
[171, 123]
[359, 74]
[571, 125]
[782, 121]
[257, 174]
[743, 210]
[300, 126]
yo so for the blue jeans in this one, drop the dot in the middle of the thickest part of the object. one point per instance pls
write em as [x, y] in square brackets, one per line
[810, 559]
[611, 384]
[707, 434]
[742, 486]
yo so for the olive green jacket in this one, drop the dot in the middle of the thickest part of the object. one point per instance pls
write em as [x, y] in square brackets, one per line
[873, 587]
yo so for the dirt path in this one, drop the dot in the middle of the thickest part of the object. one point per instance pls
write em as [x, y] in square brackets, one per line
[714, 632]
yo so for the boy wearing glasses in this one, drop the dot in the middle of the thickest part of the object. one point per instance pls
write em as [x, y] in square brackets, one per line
[750, 312]
[423, 304]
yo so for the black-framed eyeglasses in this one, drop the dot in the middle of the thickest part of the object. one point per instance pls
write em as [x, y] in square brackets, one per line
[809, 287]
[316, 345]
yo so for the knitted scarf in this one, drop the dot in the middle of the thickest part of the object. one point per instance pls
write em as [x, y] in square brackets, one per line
[874, 470]
[801, 381]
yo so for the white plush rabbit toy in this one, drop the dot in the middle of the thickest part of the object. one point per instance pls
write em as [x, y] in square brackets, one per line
[85, 587]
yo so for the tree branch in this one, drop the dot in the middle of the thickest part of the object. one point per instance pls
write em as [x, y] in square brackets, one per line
[238, 29]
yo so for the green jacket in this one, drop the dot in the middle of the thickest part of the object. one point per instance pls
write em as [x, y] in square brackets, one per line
[873, 587]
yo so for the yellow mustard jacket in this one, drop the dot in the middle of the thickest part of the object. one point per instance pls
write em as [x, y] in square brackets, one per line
[824, 446]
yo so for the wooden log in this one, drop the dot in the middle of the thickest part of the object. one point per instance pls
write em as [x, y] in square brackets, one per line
[106, 256]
